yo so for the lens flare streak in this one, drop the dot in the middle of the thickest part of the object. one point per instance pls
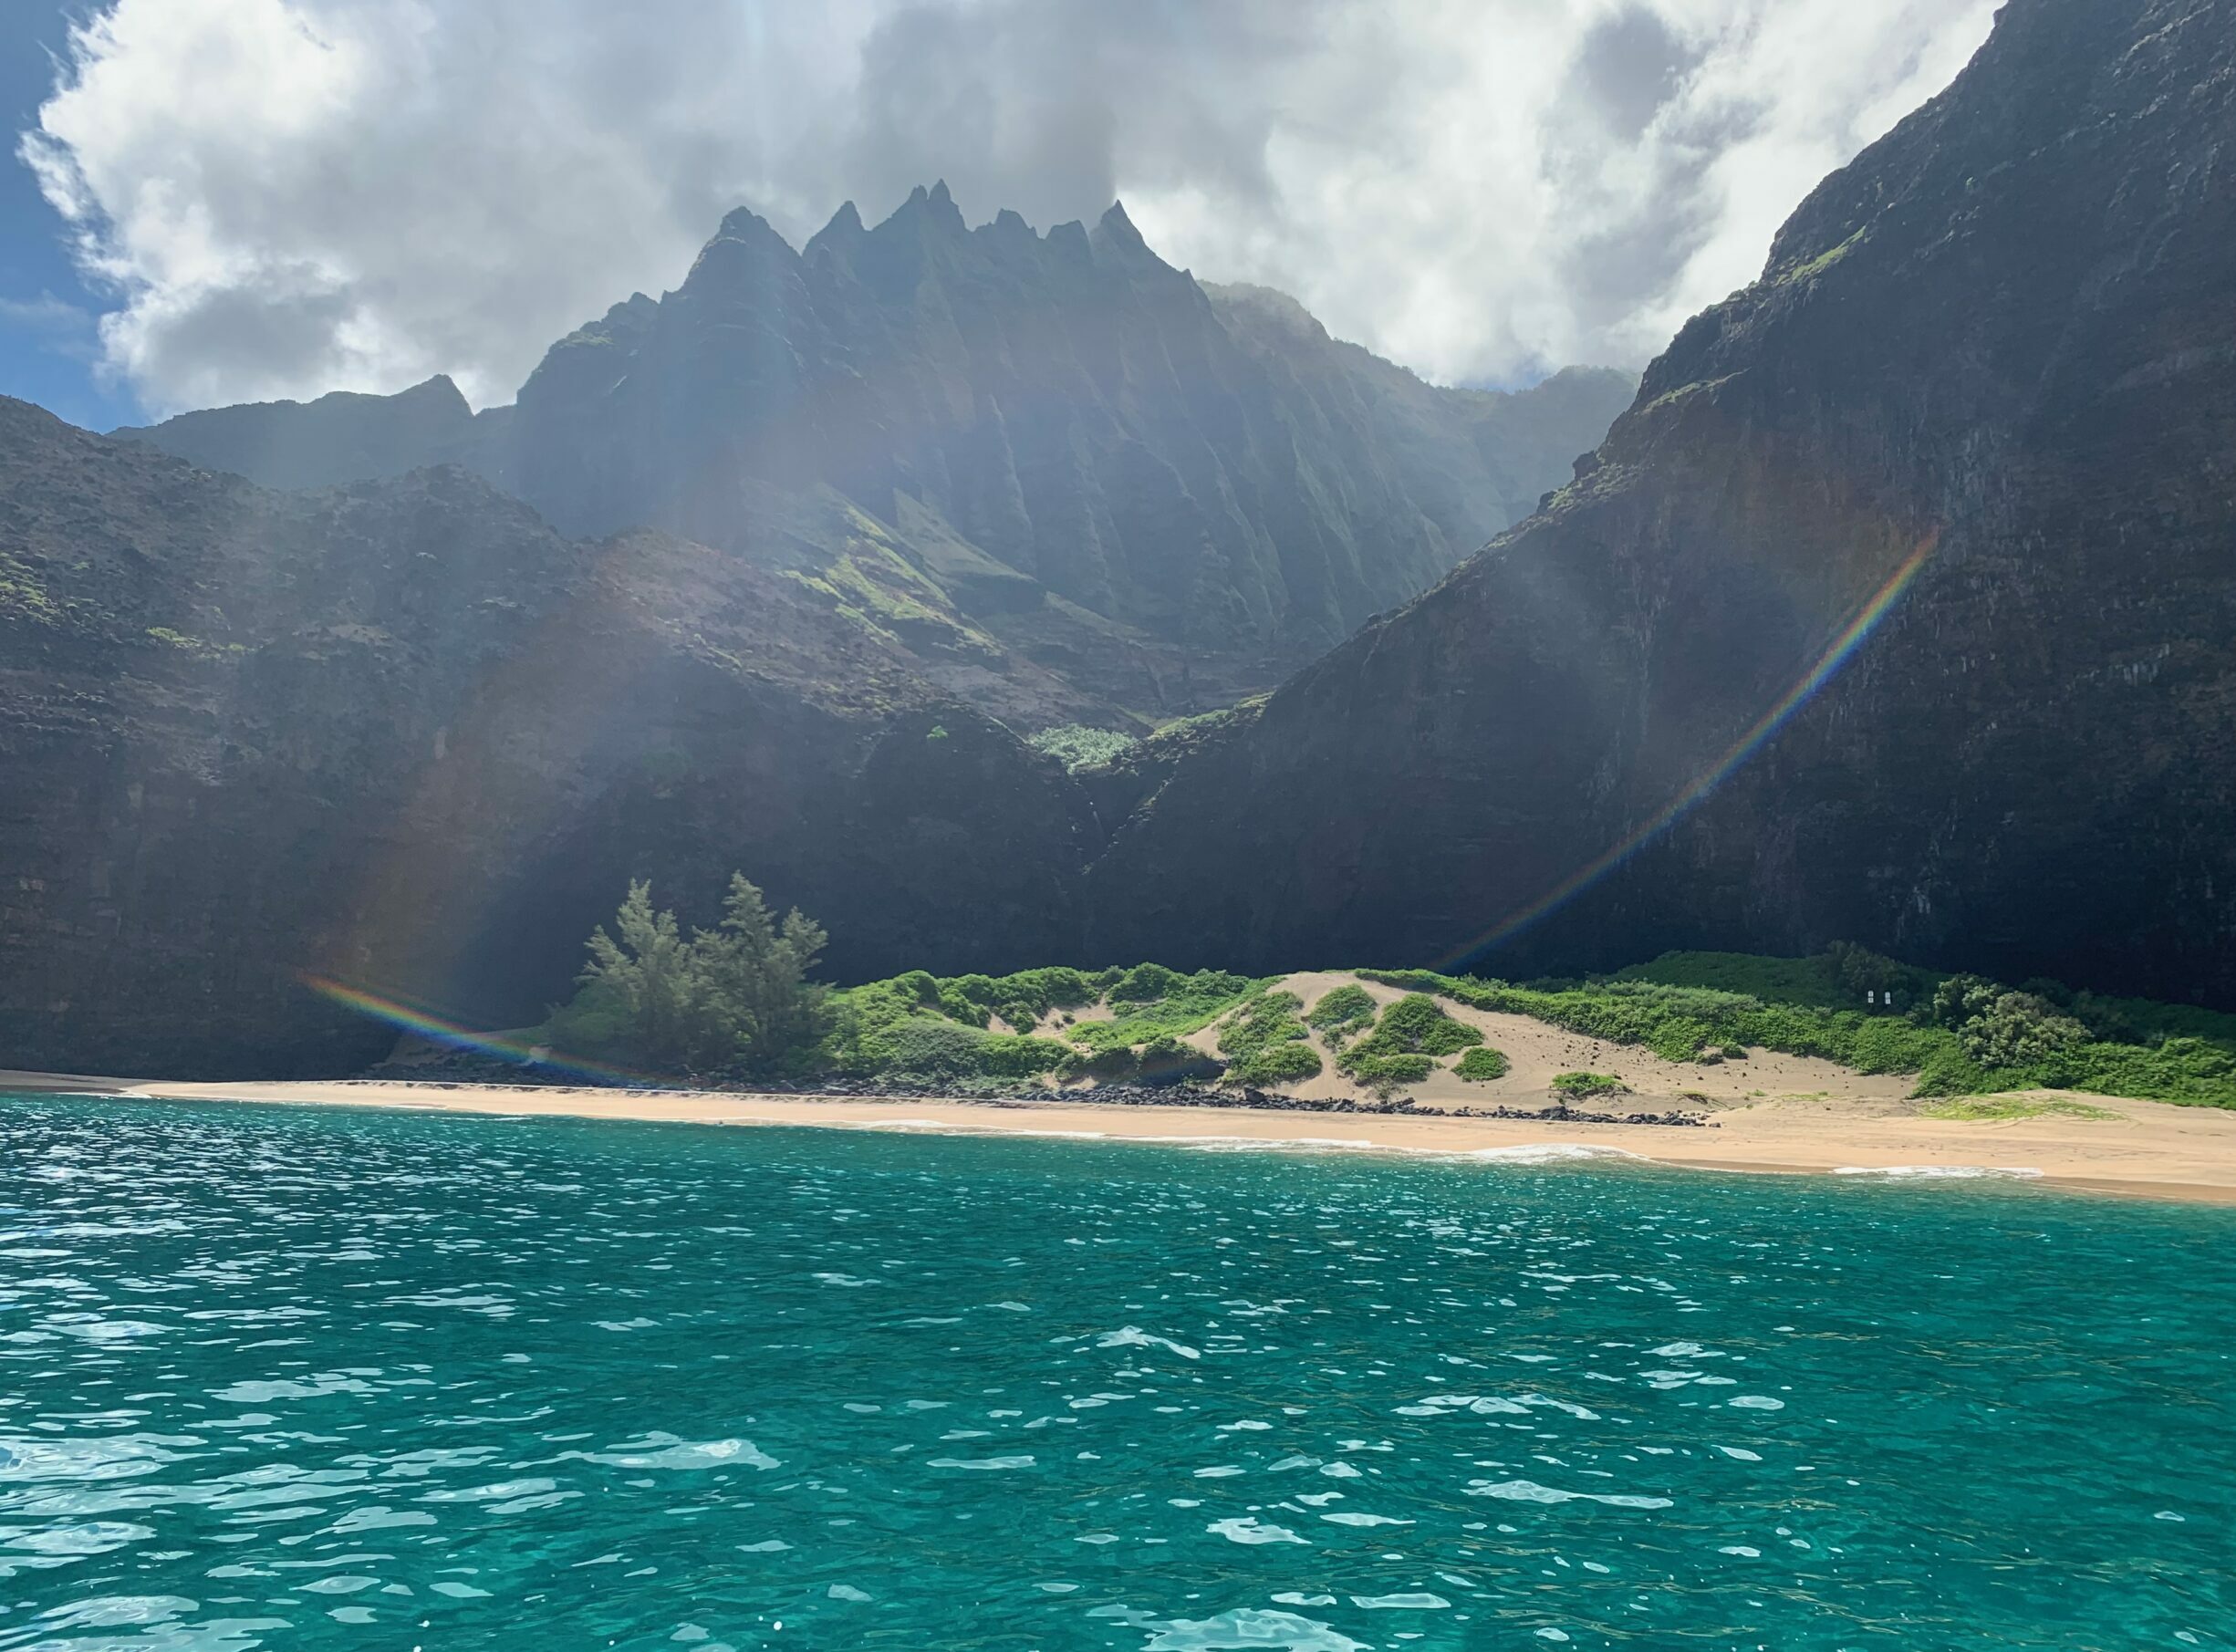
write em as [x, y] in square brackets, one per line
[437, 1029]
[1828, 665]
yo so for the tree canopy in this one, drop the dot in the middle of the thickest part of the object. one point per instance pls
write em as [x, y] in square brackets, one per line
[734, 997]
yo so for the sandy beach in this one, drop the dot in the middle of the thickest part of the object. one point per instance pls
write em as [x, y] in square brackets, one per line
[2138, 1148]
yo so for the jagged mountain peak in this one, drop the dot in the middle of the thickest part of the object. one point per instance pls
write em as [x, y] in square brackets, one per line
[742, 230]
[1064, 418]
[437, 388]
[845, 229]
[932, 210]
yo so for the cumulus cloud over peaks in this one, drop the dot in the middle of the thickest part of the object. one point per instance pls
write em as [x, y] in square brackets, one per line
[291, 196]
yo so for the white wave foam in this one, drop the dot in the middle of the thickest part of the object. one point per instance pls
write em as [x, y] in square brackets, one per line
[1940, 1172]
[1417, 1600]
[1252, 1627]
[1525, 1154]
[984, 1464]
[663, 1451]
[1248, 1529]
[1548, 1153]
[1134, 1337]
[1530, 1491]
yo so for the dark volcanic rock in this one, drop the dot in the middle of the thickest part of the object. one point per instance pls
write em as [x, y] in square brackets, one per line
[406, 735]
[2003, 340]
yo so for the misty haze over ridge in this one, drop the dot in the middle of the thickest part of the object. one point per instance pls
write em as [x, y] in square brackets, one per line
[346, 196]
[1062, 433]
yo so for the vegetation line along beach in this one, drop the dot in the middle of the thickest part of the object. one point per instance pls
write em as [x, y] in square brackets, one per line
[1844, 1063]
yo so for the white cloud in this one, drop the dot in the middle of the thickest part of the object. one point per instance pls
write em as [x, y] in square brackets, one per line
[296, 195]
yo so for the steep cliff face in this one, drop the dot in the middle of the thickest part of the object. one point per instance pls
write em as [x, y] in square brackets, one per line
[1985, 391]
[406, 735]
[1120, 476]
[1466, 458]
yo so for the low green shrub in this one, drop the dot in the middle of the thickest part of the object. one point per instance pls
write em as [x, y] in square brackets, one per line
[1481, 1064]
[1386, 1075]
[1270, 1018]
[927, 1048]
[920, 1026]
[1418, 1023]
[1341, 1012]
[1283, 1063]
[1079, 746]
[1677, 1022]
[1573, 1087]
[1403, 1047]
[1149, 1002]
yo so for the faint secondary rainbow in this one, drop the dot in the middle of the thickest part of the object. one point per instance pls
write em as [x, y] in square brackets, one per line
[437, 1029]
[1828, 665]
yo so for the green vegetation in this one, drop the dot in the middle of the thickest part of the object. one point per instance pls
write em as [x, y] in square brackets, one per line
[1077, 746]
[1682, 1022]
[1480, 1065]
[732, 999]
[1575, 1086]
[922, 1028]
[736, 1000]
[1267, 1043]
[856, 567]
[201, 647]
[1960, 1036]
[1823, 260]
[22, 597]
[2045, 1036]
[1403, 1049]
[1975, 1108]
[1385, 1075]
[1286, 1063]
[918, 1027]
[1341, 1012]
[1150, 1001]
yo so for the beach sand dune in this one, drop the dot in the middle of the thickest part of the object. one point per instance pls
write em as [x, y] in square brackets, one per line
[1536, 1050]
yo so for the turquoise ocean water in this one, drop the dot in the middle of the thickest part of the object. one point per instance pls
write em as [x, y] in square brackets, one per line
[297, 1379]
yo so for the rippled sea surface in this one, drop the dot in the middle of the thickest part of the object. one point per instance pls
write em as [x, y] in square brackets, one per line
[282, 1378]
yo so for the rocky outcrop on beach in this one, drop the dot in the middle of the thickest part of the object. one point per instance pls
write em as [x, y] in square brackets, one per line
[1901, 607]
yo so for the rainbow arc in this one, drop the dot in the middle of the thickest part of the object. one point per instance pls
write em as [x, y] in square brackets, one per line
[1843, 649]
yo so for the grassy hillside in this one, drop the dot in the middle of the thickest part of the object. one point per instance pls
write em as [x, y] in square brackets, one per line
[1386, 1033]
[1961, 1035]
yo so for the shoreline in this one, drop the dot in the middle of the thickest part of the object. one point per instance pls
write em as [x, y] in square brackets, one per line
[2136, 1149]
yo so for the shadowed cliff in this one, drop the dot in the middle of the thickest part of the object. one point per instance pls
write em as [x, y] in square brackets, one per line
[2002, 343]
[405, 735]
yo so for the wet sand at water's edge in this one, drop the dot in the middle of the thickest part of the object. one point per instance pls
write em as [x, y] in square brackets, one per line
[2142, 1148]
